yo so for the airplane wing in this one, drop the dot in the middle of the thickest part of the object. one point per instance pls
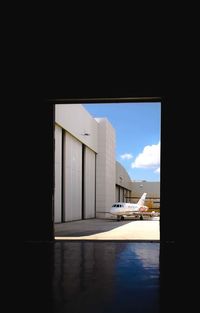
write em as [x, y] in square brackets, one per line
[146, 213]
[137, 213]
[141, 214]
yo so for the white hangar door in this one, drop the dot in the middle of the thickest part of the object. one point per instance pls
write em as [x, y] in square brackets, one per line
[121, 197]
[89, 183]
[116, 193]
[72, 178]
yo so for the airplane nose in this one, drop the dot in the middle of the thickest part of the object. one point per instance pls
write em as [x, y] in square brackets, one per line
[112, 210]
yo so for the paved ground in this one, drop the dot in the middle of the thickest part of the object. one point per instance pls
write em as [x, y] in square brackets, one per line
[105, 229]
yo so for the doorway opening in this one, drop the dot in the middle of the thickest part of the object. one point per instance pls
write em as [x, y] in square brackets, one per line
[107, 155]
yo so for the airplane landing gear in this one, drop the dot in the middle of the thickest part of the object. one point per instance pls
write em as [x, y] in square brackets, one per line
[120, 217]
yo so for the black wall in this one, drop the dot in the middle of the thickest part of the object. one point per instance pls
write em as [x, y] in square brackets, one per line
[32, 165]
[29, 152]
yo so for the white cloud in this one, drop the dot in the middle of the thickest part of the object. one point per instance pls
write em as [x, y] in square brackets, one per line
[126, 156]
[148, 158]
[157, 170]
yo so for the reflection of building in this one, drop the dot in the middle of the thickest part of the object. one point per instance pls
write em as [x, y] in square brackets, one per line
[86, 271]
[94, 275]
[88, 180]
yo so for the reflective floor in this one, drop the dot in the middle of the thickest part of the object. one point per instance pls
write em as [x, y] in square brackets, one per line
[90, 276]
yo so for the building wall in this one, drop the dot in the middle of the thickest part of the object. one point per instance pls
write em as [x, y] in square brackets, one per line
[72, 178]
[105, 168]
[77, 121]
[73, 121]
[123, 184]
[88, 180]
[121, 194]
[79, 154]
[58, 173]
[122, 177]
[117, 193]
[152, 189]
[89, 183]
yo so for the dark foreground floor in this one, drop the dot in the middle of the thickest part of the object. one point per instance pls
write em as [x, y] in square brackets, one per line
[98, 277]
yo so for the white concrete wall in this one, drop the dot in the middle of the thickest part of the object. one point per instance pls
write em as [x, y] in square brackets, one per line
[122, 177]
[58, 174]
[121, 198]
[123, 182]
[116, 193]
[76, 120]
[105, 168]
[72, 178]
[152, 189]
[153, 193]
[89, 183]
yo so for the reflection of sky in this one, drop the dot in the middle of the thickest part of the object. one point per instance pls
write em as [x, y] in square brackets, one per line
[137, 274]
[147, 253]
[144, 258]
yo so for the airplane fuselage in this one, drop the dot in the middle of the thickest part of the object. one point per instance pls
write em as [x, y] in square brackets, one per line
[122, 208]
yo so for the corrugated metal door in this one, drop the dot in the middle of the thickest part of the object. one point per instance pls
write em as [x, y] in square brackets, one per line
[121, 195]
[89, 183]
[116, 193]
[72, 182]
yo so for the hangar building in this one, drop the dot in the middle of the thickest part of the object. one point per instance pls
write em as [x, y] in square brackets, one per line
[88, 180]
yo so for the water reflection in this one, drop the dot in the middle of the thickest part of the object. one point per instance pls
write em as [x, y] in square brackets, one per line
[106, 277]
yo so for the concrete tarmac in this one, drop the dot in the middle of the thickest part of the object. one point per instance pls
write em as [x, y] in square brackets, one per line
[105, 229]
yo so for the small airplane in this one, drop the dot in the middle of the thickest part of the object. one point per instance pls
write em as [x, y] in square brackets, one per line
[121, 209]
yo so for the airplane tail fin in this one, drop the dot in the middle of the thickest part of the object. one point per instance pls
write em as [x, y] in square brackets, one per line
[142, 199]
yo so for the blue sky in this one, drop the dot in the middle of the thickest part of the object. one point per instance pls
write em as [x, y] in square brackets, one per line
[137, 127]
